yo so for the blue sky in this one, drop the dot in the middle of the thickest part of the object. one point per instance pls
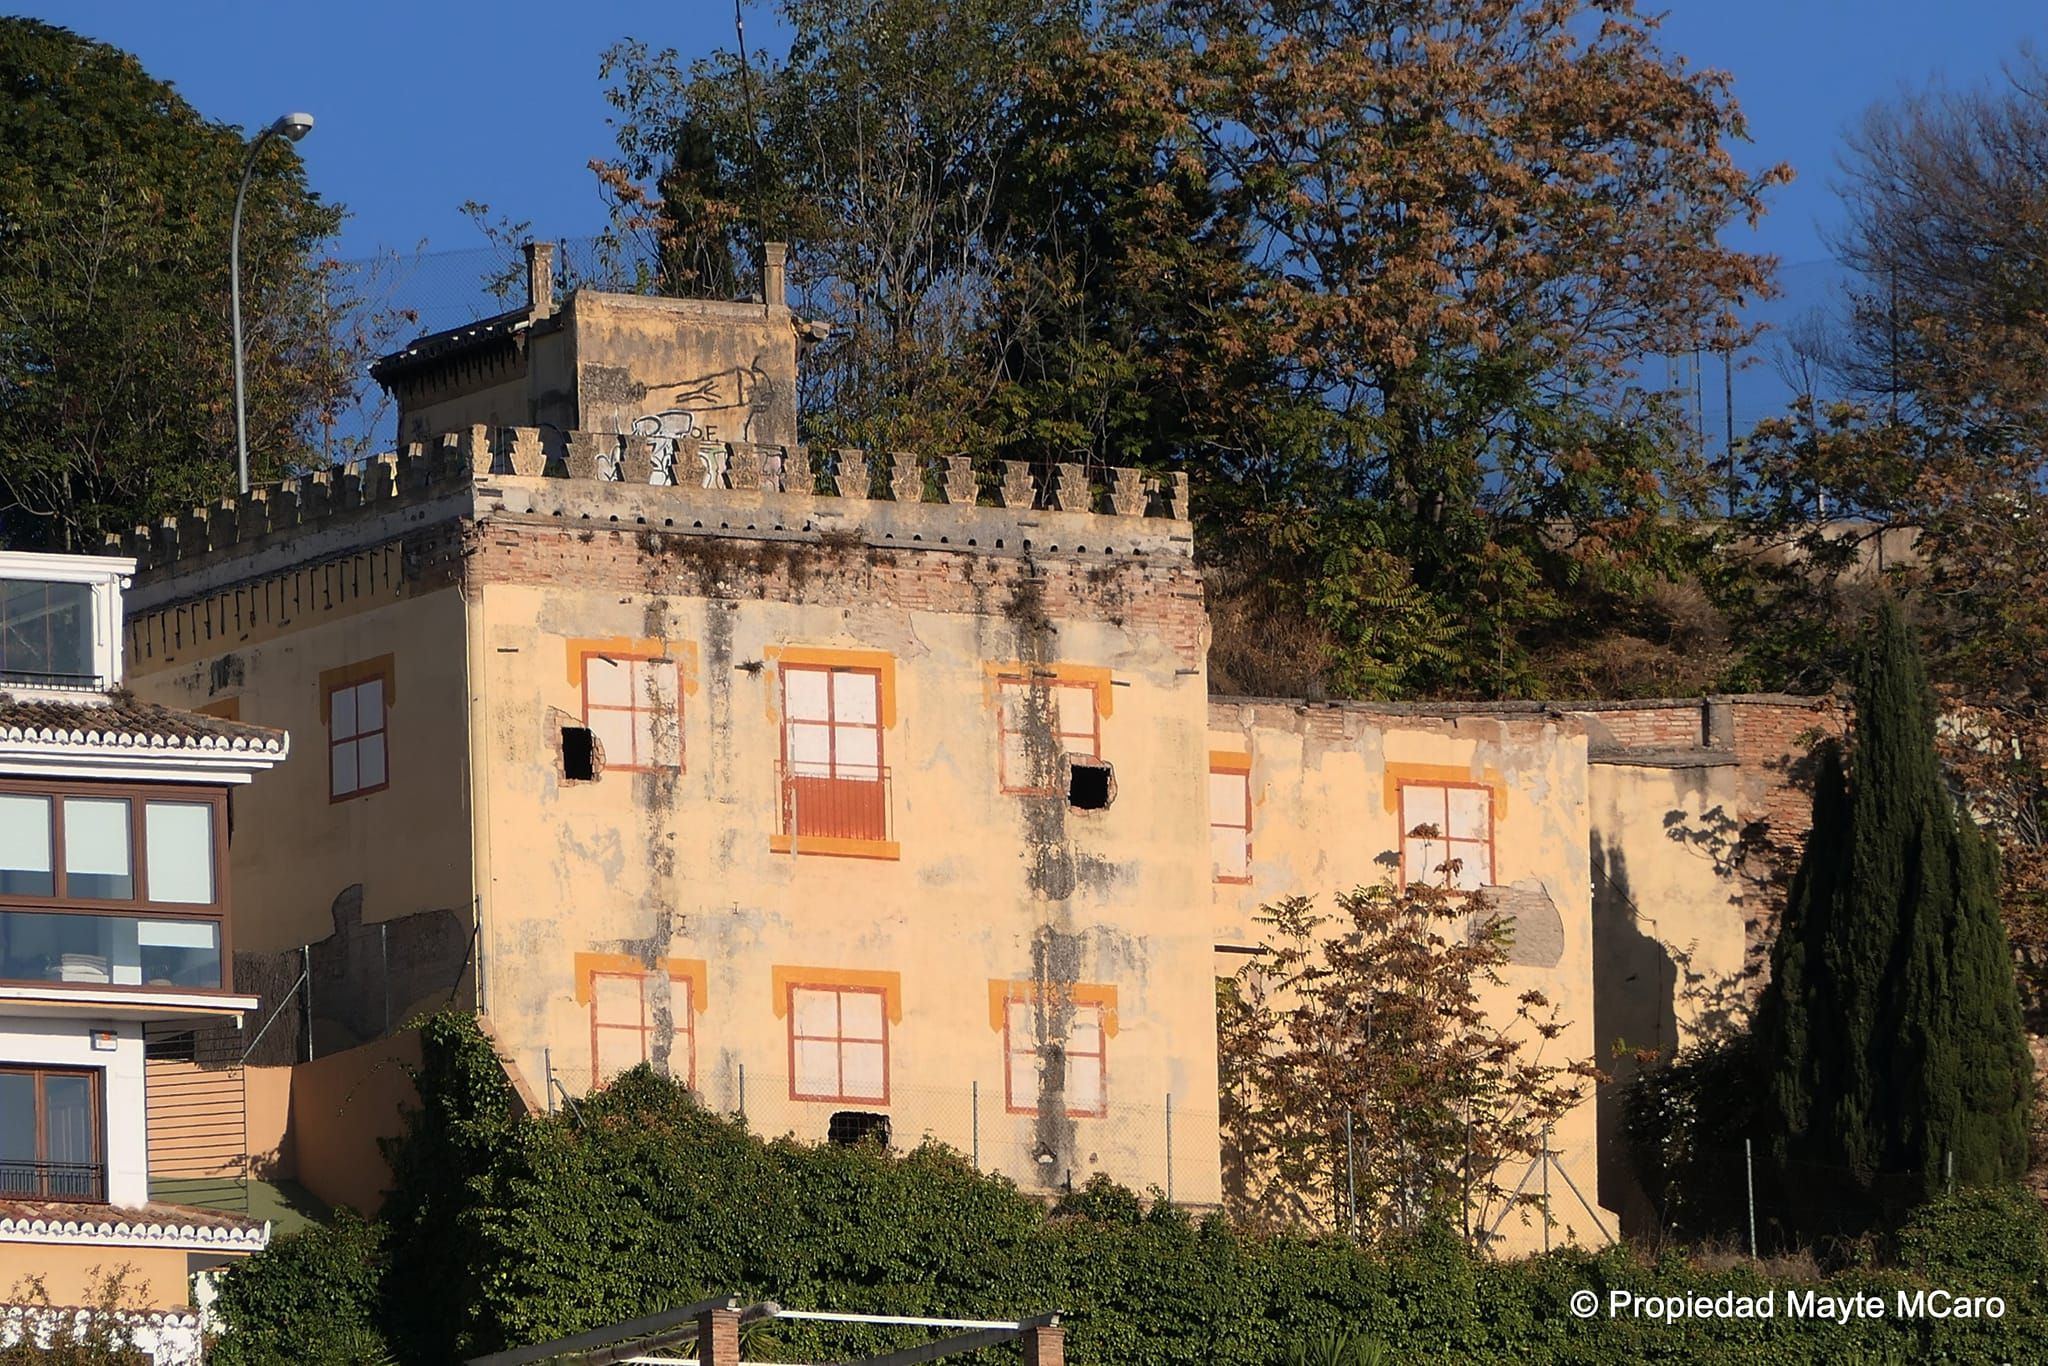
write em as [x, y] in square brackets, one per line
[423, 105]
[426, 104]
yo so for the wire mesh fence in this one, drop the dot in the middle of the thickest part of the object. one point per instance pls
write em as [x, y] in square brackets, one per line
[1152, 1141]
[398, 295]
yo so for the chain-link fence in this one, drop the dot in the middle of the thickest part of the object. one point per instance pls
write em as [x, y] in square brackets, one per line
[1151, 1141]
[396, 295]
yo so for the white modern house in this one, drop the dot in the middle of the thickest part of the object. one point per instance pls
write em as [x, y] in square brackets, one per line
[115, 957]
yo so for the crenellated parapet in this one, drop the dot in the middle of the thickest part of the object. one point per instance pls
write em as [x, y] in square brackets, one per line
[669, 478]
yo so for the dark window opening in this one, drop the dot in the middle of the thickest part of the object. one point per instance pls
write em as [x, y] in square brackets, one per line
[179, 1047]
[1091, 784]
[579, 754]
[858, 1126]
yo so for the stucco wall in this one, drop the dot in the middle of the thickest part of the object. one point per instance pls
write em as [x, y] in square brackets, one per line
[341, 1105]
[608, 359]
[378, 883]
[1326, 818]
[151, 1277]
[980, 886]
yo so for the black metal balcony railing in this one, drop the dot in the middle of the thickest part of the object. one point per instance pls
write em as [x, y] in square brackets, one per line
[81, 1181]
[850, 804]
[55, 682]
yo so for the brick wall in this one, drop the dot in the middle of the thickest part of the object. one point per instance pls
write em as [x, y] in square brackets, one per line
[1771, 737]
[1665, 725]
[1161, 598]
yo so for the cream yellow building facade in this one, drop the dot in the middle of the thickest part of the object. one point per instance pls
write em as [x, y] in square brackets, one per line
[866, 795]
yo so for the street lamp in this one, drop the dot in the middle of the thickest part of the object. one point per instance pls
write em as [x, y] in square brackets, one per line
[293, 126]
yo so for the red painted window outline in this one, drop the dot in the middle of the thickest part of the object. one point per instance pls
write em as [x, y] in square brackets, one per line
[834, 782]
[1013, 692]
[860, 1044]
[1230, 824]
[633, 1038]
[1433, 804]
[1085, 1064]
[649, 726]
[349, 735]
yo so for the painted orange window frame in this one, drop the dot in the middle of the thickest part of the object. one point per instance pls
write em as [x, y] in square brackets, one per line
[1240, 766]
[1006, 682]
[1443, 785]
[839, 990]
[1012, 1051]
[635, 708]
[685, 1026]
[786, 841]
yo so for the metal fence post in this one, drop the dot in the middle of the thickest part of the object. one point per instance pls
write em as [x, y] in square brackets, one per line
[1350, 1178]
[1546, 1188]
[1749, 1173]
[974, 1119]
[743, 1093]
[384, 964]
[306, 959]
[547, 1065]
[1169, 1147]
[1949, 1166]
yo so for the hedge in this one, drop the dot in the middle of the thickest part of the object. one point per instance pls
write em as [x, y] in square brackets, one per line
[508, 1231]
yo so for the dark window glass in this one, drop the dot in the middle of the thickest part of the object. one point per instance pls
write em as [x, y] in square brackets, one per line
[46, 632]
[109, 950]
[17, 1117]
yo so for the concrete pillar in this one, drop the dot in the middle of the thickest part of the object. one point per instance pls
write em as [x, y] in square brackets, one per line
[775, 274]
[1045, 1345]
[718, 1338]
[540, 279]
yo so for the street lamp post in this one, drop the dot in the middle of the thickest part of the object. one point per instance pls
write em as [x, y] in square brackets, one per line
[293, 126]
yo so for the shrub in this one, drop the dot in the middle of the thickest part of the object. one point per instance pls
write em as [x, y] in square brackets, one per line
[315, 1296]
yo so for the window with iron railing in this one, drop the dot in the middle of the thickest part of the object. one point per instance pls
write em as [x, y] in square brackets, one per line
[46, 635]
[50, 1146]
[831, 778]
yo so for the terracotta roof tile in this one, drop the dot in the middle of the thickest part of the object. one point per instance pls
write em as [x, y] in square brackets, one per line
[141, 725]
[60, 1220]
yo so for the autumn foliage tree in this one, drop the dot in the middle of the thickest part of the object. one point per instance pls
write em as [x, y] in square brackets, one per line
[1933, 435]
[1365, 1084]
[1376, 276]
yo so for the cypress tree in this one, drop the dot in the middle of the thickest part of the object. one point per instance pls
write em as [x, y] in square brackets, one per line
[1890, 1032]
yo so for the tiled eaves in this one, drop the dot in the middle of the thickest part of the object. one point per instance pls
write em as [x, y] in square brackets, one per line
[132, 725]
[154, 1225]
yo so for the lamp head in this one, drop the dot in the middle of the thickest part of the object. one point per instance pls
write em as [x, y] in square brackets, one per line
[293, 125]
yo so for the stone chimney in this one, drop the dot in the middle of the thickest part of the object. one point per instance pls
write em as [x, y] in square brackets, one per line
[774, 274]
[540, 279]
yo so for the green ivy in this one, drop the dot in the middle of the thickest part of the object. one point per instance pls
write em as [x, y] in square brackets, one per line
[640, 1200]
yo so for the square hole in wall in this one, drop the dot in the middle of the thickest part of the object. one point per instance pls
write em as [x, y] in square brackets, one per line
[579, 754]
[1091, 783]
[858, 1126]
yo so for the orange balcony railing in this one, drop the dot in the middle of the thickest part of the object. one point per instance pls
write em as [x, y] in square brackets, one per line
[848, 804]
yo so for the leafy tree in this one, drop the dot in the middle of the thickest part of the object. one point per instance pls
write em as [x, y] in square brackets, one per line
[1889, 1035]
[116, 364]
[1375, 276]
[1463, 225]
[1365, 1028]
[1936, 440]
[879, 147]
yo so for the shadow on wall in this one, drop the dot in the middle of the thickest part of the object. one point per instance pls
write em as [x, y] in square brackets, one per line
[1635, 1021]
[366, 980]
[330, 1115]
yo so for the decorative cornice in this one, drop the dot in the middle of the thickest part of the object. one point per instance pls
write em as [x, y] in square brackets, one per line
[119, 1230]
